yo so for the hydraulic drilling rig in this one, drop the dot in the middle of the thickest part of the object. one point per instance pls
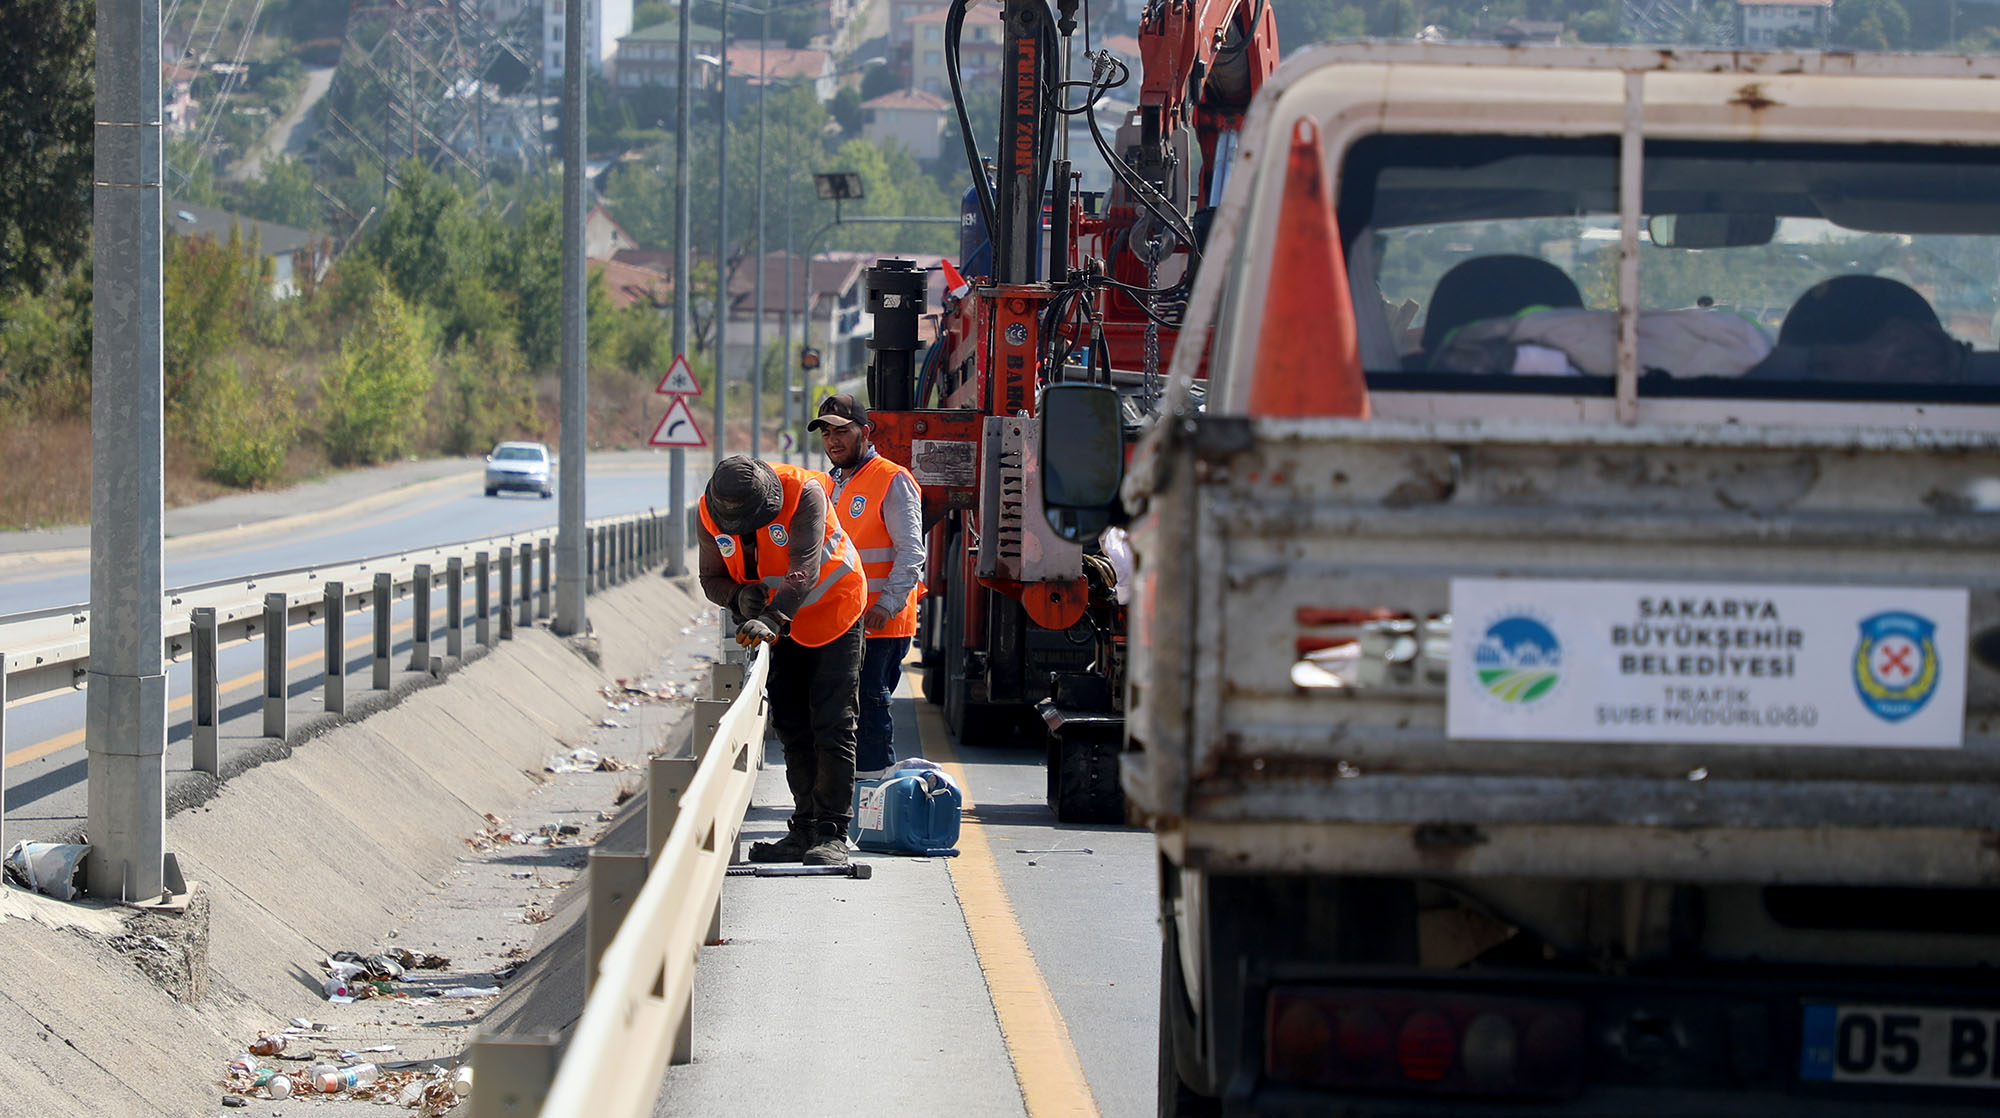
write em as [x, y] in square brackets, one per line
[1023, 631]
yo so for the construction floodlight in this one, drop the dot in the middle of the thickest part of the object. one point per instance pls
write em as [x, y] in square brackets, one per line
[842, 186]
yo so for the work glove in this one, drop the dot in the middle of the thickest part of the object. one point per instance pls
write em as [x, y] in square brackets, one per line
[755, 632]
[751, 599]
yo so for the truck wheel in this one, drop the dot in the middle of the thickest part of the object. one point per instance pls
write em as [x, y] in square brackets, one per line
[1083, 777]
[1177, 1099]
[970, 723]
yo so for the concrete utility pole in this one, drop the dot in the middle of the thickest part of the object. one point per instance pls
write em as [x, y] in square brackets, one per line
[125, 713]
[571, 575]
[677, 468]
[721, 240]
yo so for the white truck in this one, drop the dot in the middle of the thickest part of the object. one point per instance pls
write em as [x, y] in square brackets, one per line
[1604, 722]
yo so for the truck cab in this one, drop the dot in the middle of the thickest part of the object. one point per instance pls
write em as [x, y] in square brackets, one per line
[1603, 720]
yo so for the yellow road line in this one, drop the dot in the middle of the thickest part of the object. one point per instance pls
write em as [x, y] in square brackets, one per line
[61, 742]
[1045, 1062]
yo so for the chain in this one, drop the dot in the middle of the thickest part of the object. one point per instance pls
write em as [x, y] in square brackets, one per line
[1152, 389]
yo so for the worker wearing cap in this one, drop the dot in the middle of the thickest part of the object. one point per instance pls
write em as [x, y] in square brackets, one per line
[881, 510]
[773, 553]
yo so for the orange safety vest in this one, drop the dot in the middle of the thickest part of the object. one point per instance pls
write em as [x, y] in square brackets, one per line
[860, 514]
[833, 605]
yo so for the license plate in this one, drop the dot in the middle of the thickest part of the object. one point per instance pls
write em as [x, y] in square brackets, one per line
[1923, 1046]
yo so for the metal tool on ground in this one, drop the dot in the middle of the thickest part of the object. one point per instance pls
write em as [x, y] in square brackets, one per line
[859, 870]
[1060, 850]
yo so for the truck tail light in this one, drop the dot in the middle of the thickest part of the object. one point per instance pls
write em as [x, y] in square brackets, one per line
[1406, 1040]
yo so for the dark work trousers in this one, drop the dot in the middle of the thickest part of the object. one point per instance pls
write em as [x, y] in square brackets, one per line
[875, 746]
[813, 693]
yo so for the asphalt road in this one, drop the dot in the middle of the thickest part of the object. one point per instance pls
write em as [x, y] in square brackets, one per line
[338, 519]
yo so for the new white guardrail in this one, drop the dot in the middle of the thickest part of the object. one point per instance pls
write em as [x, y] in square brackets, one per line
[644, 928]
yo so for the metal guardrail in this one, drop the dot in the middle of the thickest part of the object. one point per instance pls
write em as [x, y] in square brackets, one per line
[47, 652]
[644, 928]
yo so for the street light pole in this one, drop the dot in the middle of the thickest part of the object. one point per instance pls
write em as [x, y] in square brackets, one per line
[677, 460]
[757, 323]
[721, 240]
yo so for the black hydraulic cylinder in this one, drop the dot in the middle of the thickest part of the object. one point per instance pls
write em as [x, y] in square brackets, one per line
[1021, 141]
[895, 297]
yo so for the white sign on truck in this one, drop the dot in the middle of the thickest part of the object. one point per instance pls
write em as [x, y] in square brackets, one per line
[1721, 663]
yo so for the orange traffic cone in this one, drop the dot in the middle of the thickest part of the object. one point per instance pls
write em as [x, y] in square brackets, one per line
[954, 283]
[1308, 359]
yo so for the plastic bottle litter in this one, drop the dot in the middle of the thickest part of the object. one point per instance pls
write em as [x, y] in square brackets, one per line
[346, 1078]
[268, 1044]
[461, 1081]
[337, 989]
[412, 1093]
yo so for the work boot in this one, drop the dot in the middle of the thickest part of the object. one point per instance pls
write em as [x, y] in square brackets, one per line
[829, 846]
[791, 848]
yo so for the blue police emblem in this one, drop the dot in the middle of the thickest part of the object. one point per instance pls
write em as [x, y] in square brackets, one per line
[726, 545]
[1896, 664]
[778, 534]
[855, 506]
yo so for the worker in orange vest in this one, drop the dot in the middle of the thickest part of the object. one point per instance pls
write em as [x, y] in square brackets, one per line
[772, 551]
[881, 509]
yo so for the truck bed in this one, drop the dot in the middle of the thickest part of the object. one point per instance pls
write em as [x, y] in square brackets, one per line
[1323, 552]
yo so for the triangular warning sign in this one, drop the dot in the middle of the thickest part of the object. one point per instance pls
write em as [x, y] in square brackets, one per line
[677, 427]
[679, 380]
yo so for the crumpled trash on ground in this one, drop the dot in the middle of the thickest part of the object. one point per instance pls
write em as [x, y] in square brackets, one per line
[47, 867]
[583, 761]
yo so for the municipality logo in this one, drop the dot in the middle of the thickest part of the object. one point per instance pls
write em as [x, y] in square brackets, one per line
[778, 534]
[1518, 661]
[1896, 664]
[856, 507]
[726, 545]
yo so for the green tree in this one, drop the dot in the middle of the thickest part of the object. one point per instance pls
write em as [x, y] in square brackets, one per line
[846, 109]
[241, 431]
[215, 291]
[45, 347]
[286, 195]
[487, 396]
[877, 80]
[369, 409]
[47, 104]
[1871, 25]
[426, 234]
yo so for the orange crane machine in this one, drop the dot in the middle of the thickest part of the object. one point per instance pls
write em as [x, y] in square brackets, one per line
[1023, 633]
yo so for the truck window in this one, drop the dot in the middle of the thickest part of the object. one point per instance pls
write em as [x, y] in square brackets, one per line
[1766, 270]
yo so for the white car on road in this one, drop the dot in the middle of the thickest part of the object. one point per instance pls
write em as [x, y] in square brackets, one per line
[524, 467]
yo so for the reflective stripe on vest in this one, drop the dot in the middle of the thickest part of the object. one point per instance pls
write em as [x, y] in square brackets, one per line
[832, 605]
[859, 509]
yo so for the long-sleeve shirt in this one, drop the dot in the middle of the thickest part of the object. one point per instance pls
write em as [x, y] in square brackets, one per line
[807, 531]
[903, 515]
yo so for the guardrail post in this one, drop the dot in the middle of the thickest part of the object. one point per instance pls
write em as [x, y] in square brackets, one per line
[725, 681]
[707, 720]
[512, 1074]
[526, 620]
[202, 631]
[667, 780]
[275, 605]
[482, 603]
[3, 752]
[589, 558]
[605, 539]
[615, 880]
[420, 618]
[385, 585]
[506, 610]
[336, 648]
[629, 535]
[542, 583]
[454, 608]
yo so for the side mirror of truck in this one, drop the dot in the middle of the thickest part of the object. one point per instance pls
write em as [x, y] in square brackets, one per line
[1083, 457]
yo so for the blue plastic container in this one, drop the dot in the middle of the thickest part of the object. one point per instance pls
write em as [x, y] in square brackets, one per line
[912, 812]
